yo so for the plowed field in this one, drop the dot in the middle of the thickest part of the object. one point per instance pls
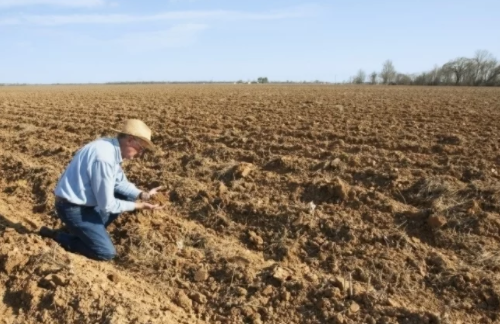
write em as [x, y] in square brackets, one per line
[285, 204]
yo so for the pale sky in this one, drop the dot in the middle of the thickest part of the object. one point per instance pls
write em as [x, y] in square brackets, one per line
[81, 41]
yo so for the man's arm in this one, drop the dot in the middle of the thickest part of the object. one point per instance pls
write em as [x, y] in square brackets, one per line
[103, 186]
[126, 188]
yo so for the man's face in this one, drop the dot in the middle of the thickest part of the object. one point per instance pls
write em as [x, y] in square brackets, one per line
[132, 147]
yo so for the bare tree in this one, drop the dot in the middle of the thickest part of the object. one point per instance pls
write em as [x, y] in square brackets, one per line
[435, 76]
[373, 78]
[494, 77]
[458, 67]
[388, 73]
[360, 77]
[486, 66]
[403, 79]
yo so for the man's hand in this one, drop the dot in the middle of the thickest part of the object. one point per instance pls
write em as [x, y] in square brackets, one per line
[148, 195]
[144, 205]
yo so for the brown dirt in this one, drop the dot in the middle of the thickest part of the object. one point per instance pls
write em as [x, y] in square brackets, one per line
[284, 204]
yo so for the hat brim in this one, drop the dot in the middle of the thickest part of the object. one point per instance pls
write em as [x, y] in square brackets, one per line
[149, 144]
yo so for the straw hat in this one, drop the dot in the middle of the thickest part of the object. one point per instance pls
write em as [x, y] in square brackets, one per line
[137, 128]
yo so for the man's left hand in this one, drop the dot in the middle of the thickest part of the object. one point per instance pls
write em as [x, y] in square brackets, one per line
[148, 195]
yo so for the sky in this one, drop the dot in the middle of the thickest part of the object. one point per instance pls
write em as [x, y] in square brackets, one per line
[94, 41]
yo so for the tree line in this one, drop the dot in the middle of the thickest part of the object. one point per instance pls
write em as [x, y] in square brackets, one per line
[481, 70]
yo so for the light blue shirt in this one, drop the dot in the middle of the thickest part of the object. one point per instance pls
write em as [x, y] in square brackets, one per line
[93, 177]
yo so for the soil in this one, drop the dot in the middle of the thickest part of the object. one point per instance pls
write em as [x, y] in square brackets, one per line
[283, 204]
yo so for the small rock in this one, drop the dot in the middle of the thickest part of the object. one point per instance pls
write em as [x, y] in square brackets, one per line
[354, 308]
[144, 319]
[59, 280]
[468, 277]
[201, 275]
[311, 206]
[240, 291]
[323, 303]
[281, 274]
[338, 318]
[60, 302]
[264, 300]
[467, 305]
[332, 293]
[11, 260]
[243, 170]
[196, 255]
[361, 289]
[183, 284]
[336, 162]
[286, 295]
[438, 260]
[119, 310]
[254, 238]
[370, 320]
[437, 221]
[47, 283]
[198, 297]
[247, 311]
[267, 291]
[183, 300]
[393, 303]
[341, 283]
[222, 188]
[340, 189]
[257, 321]
[311, 277]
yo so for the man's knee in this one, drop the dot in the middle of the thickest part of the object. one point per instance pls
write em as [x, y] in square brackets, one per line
[105, 254]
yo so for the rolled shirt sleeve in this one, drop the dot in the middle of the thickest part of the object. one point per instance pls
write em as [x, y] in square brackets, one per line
[103, 186]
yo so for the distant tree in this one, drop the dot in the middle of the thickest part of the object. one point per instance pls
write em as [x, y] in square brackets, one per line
[388, 73]
[359, 78]
[481, 70]
[458, 68]
[435, 76]
[484, 64]
[262, 80]
[403, 79]
[494, 77]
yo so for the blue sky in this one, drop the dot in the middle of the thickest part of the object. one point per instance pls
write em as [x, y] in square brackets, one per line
[67, 41]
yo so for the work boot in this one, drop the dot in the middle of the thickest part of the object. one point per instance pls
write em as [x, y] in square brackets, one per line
[47, 232]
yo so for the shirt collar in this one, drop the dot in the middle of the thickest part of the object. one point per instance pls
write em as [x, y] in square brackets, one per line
[118, 151]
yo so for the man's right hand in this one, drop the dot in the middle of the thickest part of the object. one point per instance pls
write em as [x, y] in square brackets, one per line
[145, 205]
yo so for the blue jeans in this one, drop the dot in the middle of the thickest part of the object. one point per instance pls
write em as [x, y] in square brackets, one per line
[88, 235]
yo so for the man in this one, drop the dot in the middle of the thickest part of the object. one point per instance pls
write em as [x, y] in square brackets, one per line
[93, 191]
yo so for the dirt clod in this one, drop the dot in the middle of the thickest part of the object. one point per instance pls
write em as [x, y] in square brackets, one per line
[255, 239]
[198, 297]
[342, 283]
[437, 221]
[201, 275]
[183, 300]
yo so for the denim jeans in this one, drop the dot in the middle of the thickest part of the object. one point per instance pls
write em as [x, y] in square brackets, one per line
[87, 227]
